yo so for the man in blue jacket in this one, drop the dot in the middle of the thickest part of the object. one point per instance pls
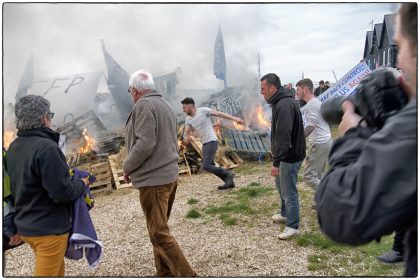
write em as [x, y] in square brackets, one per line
[287, 149]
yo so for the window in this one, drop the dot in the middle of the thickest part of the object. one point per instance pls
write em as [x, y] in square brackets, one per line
[384, 57]
[389, 57]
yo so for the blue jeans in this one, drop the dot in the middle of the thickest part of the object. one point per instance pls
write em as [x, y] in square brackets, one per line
[289, 197]
[209, 152]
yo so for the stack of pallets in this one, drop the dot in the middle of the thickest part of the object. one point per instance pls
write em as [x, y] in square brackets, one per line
[115, 162]
[102, 171]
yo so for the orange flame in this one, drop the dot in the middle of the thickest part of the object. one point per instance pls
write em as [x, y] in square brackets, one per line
[217, 127]
[239, 126]
[8, 137]
[262, 121]
[89, 143]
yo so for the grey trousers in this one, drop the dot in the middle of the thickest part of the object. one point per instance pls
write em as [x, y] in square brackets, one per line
[315, 162]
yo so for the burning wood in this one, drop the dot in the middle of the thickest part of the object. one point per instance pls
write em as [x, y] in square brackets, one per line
[8, 137]
[239, 126]
[261, 119]
[90, 143]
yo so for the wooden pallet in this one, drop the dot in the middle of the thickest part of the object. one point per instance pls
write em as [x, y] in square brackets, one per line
[197, 145]
[247, 141]
[102, 171]
[118, 173]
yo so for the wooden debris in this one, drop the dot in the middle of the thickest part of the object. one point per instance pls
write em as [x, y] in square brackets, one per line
[198, 146]
[102, 171]
[117, 172]
[188, 166]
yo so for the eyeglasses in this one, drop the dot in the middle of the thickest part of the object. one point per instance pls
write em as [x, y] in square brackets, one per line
[50, 115]
[129, 90]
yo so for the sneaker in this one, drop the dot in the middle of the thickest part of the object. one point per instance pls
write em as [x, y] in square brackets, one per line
[391, 256]
[288, 233]
[228, 182]
[278, 218]
[225, 186]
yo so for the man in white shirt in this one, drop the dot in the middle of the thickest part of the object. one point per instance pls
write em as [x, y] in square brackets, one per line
[317, 133]
[199, 120]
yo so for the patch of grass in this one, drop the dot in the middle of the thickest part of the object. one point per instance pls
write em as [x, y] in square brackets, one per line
[332, 259]
[227, 220]
[313, 239]
[193, 214]
[317, 262]
[241, 203]
[252, 168]
[192, 201]
[252, 191]
[241, 206]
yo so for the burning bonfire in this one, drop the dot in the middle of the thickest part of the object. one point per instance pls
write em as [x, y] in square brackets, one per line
[8, 137]
[90, 143]
[261, 119]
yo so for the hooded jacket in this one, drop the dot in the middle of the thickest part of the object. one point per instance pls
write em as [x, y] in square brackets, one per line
[287, 132]
[40, 183]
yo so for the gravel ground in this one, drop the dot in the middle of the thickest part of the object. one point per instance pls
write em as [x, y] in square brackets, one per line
[212, 248]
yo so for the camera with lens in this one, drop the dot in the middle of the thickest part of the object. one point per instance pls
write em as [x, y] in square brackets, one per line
[377, 97]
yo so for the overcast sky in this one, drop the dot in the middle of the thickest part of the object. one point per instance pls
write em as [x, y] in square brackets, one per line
[291, 38]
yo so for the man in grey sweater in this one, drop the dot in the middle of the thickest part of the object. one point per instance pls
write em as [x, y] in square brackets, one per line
[152, 166]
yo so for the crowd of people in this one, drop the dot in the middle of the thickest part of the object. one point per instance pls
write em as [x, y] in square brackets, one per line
[369, 189]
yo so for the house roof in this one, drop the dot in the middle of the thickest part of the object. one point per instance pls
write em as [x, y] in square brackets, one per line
[388, 26]
[368, 43]
[378, 32]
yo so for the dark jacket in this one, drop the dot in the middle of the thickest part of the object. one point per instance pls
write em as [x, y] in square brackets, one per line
[40, 183]
[371, 187]
[287, 132]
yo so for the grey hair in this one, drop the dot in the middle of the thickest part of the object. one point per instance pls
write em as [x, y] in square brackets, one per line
[30, 110]
[141, 80]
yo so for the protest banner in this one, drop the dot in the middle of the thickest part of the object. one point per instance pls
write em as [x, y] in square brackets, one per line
[345, 86]
[348, 83]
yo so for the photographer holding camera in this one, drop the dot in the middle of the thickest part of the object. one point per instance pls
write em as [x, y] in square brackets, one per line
[371, 187]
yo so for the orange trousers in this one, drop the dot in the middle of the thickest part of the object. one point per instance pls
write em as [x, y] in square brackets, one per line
[49, 253]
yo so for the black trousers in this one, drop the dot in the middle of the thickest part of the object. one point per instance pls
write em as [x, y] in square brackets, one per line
[209, 152]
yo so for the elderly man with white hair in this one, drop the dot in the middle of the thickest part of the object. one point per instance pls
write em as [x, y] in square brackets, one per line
[152, 166]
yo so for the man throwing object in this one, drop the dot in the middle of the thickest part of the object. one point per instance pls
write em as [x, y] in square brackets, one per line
[199, 120]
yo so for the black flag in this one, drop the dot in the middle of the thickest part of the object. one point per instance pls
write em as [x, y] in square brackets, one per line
[219, 58]
[117, 81]
[27, 78]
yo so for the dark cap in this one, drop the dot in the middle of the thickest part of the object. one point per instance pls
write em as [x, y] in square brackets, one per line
[188, 100]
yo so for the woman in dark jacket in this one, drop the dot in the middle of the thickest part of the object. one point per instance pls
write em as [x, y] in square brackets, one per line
[41, 187]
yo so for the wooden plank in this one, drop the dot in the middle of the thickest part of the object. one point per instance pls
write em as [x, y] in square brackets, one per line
[260, 143]
[236, 157]
[266, 142]
[238, 141]
[183, 171]
[197, 145]
[228, 137]
[118, 174]
[96, 188]
[227, 162]
[242, 141]
[233, 166]
[188, 166]
[231, 140]
[248, 141]
[252, 142]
